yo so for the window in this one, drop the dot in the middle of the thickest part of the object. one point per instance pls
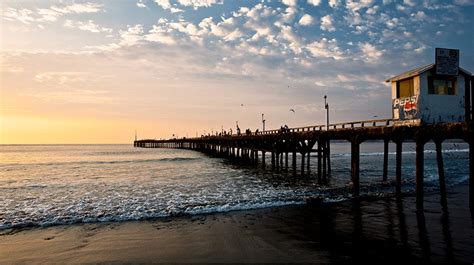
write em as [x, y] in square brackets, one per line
[405, 88]
[442, 86]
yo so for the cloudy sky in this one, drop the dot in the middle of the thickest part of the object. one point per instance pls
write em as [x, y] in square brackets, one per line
[94, 71]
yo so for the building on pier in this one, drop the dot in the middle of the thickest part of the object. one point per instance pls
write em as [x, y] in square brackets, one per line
[432, 93]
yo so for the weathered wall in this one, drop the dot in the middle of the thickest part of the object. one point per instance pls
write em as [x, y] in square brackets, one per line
[441, 108]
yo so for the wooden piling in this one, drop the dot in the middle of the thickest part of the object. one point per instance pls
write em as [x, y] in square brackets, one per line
[319, 160]
[328, 155]
[273, 160]
[420, 157]
[293, 158]
[277, 158]
[286, 161]
[302, 162]
[263, 159]
[281, 159]
[471, 174]
[385, 160]
[467, 99]
[355, 170]
[439, 158]
[307, 161]
[324, 161]
[398, 169]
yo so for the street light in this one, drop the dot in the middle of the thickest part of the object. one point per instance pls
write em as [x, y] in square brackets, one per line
[263, 123]
[326, 106]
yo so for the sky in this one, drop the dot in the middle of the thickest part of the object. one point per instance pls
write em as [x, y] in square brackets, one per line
[96, 71]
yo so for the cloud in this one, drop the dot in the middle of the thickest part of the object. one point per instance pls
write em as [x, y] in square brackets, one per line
[392, 23]
[234, 35]
[199, 3]
[314, 2]
[24, 15]
[333, 3]
[294, 41]
[327, 23]
[131, 36]
[306, 20]
[464, 2]
[87, 26]
[409, 3]
[290, 2]
[166, 5]
[419, 16]
[140, 4]
[370, 53]
[60, 78]
[325, 49]
[78, 8]
[49, 14]
[357, 5]
[52, 14]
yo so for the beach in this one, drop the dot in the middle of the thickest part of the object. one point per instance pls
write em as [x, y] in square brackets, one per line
[388, 230]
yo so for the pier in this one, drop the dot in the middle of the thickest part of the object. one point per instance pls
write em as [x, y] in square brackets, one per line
[282, 144]
[429, 103]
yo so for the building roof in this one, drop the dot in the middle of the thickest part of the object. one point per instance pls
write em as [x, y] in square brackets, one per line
[419, 71]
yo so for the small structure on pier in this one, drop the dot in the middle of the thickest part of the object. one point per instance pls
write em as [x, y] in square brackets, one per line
[432, 93]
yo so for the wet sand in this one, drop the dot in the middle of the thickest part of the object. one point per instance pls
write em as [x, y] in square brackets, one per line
[383, 230]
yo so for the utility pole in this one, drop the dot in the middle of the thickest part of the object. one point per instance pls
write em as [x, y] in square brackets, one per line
[135, 135]
[263, 123]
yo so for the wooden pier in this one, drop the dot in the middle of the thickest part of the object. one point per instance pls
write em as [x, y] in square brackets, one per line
[280, 143]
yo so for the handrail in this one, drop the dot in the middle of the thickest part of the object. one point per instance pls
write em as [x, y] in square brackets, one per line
[333, 126]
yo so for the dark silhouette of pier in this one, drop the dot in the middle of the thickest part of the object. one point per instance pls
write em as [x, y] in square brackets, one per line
[283, 143]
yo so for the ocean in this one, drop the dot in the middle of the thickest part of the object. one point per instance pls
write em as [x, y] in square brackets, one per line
[45, 185]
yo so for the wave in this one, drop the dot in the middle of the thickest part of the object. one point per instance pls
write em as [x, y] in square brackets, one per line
[149, 211]
[171, 211]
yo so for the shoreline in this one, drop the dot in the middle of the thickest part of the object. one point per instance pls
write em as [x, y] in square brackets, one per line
[386, 229]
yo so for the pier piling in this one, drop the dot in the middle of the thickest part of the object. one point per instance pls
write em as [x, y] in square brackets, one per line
[355, 163]
[398, 169]
[439, 158]
[471, 174]
[320, 152]
[420, 157]
[385, 160]
[293, 158]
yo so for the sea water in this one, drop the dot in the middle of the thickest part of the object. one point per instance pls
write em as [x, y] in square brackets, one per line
[43, 185]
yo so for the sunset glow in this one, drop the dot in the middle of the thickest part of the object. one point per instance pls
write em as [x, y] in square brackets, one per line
[96, 71]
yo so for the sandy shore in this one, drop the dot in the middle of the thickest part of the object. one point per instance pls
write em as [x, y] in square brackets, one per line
[384, 230]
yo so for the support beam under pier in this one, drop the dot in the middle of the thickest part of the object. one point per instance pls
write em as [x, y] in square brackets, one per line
[420, 157]
[355, 167]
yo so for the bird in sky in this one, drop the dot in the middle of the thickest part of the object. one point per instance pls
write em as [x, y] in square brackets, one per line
[292, 110]
[241, 105]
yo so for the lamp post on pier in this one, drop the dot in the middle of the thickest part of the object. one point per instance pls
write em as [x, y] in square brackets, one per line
[263, 123]
[326, 106]
[328, 145]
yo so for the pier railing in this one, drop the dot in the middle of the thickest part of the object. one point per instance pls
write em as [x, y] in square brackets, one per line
[334, 126]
